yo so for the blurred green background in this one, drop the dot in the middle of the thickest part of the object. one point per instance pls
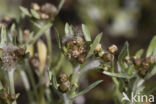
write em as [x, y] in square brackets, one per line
[119, 20]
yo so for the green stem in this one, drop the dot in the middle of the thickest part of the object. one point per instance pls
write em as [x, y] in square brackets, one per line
[11, 83]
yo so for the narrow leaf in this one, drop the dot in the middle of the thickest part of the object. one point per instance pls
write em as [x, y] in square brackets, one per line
[86, 33]
[87, 89]
[35, 14]
[151, 47]
[40, 33]
[3, 36]
[139, 53]
[58, 38]
[119, 75]
[94, 44]
[124, 52]
[68, 30]
[25, 11]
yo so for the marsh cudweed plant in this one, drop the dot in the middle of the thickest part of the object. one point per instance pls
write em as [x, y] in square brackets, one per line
[28, 53]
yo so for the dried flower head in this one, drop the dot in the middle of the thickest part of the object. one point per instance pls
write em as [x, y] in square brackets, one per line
[76, 49]
[34, 62]
[11, 55]
[49, 9]
[64, 87]
[45, 11]
[63, 77]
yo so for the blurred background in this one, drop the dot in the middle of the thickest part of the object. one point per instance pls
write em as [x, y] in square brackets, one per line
[119, 20]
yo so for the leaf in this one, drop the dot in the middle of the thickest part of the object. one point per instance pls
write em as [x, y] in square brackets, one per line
[68, 30]
[42, 52]
[124, 52]
[58, 38]
[151, 47]
[3, 36]
[40, 33]
[87, 89]
[152, 73]
[94, 44]
[54, 81]
[25, 11]
[35, 14]
[86, 33]
[119, 75]
[139, 53]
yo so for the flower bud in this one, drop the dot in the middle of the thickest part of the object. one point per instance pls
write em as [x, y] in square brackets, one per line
[63, 88]
[107, 57]
[137, 62]
[49, 9]
[34, 62]
[81, 59]
[98, 48]
[112, 49]
[142, 73]
[35, 6]
[63, 77]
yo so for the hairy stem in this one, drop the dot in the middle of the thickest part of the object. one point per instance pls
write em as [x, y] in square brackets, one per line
[11, 83]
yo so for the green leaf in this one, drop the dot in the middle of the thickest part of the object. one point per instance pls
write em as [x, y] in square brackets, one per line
[151, 47]
[58, 38]
[86, 33]
[87, 89]
[35, 14]
[3, 36]
[68, 30]
[54, 81]
[119, 75]
[94, 44]
[25, 11]
[124, 52]
[40, 33]
[139, 53]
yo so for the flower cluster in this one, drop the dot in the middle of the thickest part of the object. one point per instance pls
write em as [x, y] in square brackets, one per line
[64, 83]
[6, 96]
[77, 49]
[11, 55]
[45, 11]
[108, 55]
[142, 65]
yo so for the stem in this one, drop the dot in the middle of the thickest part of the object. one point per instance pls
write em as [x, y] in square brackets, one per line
[11, 83]
[67, 100]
